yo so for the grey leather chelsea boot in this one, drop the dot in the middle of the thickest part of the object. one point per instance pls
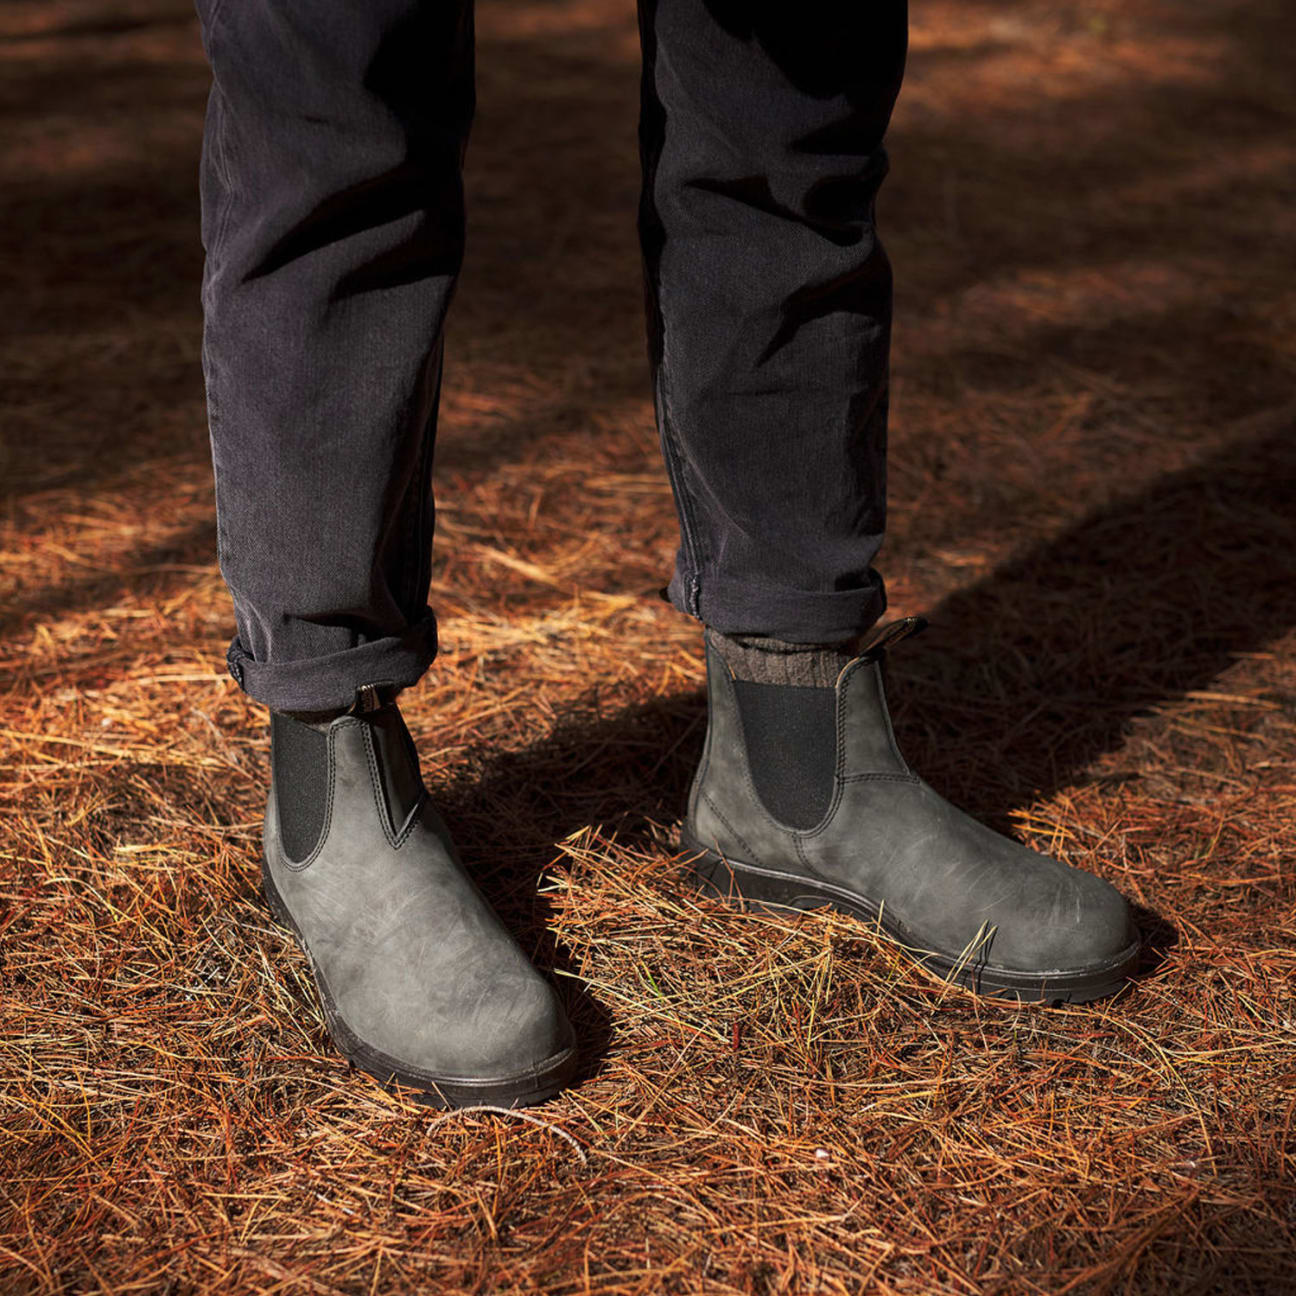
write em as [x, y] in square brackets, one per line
[802, 800]
[419, 981]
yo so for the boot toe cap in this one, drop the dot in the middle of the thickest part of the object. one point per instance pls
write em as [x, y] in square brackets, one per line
[516, 1034]
[508, 1030]
[1084, 924]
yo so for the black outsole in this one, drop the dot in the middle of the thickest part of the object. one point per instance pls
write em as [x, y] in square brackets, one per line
[749, 887]
[443, 1092]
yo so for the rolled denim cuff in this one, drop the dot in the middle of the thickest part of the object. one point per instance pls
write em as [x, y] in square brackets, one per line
[796, 616]
[333, 681]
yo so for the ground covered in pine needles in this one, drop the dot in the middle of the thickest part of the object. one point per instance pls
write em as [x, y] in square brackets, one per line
[1093, 481]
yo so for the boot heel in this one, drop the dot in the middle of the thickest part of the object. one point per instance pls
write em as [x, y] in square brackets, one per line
[278, 910]
[711, 873]
[747, 888]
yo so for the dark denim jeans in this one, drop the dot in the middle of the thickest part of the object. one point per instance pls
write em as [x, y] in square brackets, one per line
[333, 221]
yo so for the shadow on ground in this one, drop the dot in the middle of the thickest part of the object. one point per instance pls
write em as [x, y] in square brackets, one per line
[1023, 681]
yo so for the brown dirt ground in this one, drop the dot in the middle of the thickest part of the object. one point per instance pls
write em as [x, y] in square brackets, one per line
[1093, 480]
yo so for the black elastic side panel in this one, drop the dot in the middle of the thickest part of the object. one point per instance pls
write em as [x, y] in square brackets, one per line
[299, 761]
[791, 737]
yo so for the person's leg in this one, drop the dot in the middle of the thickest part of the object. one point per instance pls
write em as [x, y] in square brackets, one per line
[769, 306]
[333, 220]
[769, 303]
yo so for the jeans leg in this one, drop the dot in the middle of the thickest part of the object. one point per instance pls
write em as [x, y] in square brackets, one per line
[333, 223]
[769, 302]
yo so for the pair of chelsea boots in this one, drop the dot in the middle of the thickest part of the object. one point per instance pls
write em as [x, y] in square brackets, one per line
[801, 800]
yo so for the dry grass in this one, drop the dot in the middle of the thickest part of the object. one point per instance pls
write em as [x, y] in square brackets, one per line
[1093, 482]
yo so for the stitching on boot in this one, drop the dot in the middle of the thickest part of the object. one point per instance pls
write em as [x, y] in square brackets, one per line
[799, 843]
[804, 835]
[738, 837]
[881, 777]
[412, 822]
[394, 838]
[808, 834]
[850, 673]
[886, 716]
[839, 717]
[699, 780]
[379, 792]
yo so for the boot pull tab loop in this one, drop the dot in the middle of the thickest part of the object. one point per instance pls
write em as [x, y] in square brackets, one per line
[876, 642]
[371, 697]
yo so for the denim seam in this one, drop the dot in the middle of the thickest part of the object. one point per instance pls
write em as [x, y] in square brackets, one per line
[420, 543]
[220, 160]
[213, 16]
[220, 142]
[221, 152]
[411, 535]
[675, 469]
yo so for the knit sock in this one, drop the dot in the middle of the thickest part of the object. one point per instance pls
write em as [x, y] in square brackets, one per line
[761, 659]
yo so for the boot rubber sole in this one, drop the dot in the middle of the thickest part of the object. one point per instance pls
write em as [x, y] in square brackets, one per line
[522, 1090]
[752, 887]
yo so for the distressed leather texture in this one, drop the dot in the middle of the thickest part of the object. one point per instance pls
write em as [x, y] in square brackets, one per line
[417, 963]
[891, 840]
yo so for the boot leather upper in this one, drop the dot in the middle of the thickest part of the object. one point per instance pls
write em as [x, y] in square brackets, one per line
[417, 963]
[890, 838]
